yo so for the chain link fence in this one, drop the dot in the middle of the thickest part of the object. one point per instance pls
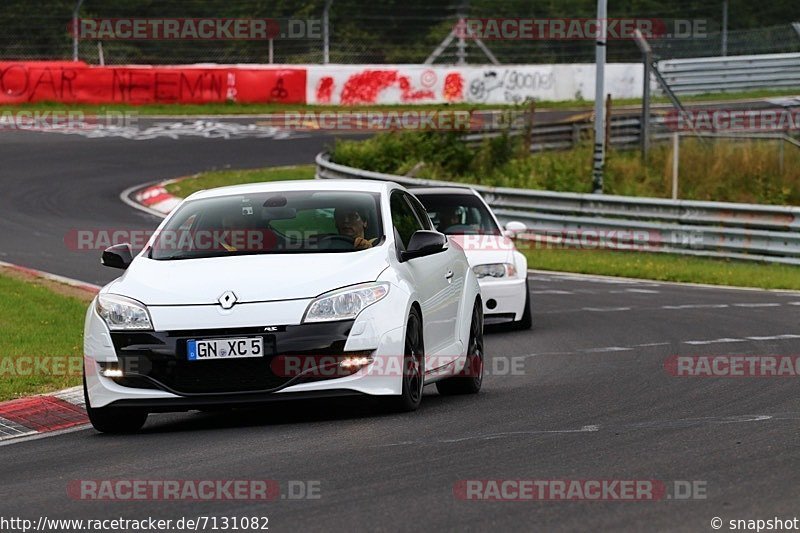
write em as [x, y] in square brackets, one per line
[360, 32]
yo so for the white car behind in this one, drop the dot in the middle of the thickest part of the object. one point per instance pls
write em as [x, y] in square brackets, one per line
[463, 215]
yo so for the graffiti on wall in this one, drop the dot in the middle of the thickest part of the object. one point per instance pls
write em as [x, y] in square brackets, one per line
[512, 86]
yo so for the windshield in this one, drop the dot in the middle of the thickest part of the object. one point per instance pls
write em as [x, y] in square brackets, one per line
[459, 214]
[271, 223]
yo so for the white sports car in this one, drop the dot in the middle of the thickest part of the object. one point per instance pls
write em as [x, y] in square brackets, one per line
[282, 290]
[502, 270]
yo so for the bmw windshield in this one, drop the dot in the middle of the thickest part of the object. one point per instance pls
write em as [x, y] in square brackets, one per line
[459, 214]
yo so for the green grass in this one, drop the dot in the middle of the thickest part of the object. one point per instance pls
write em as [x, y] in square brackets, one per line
[665, 267]
[221, 178]
[38, 324]
[230, 108]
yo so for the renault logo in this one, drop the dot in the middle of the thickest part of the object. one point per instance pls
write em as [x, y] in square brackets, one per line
[227, 299]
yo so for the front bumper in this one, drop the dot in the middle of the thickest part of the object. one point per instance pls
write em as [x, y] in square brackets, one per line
[503, 299]
[157, 374]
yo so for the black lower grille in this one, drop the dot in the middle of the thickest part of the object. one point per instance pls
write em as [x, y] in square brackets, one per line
[160, 358]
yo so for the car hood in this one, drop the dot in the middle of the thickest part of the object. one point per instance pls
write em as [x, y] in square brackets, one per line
[252, 278]
[485, 249]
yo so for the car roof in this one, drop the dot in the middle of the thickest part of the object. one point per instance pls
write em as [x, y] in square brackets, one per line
[456, 189]
[354, 185]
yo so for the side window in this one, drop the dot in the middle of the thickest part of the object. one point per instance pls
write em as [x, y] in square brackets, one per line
[403, 218]
[422, 215]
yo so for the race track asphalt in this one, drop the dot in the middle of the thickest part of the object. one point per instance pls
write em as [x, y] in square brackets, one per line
[591, 398]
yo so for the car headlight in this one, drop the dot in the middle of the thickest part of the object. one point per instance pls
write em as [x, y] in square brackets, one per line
[121, 313]
[346, 303]
[495, 270]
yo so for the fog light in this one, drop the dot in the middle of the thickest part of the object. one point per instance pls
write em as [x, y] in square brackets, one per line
[111, 373]
[355, 361]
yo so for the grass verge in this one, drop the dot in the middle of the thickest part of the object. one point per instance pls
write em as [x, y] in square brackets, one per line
[42, 341]
[666, 267]
[231, 108]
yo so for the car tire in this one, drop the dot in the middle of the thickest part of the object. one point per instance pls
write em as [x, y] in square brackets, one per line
[114, 420]
[470, 379]
[413, 367]
[526, 322]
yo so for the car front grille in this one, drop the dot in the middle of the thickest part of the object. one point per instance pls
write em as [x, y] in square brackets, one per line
[159, 359]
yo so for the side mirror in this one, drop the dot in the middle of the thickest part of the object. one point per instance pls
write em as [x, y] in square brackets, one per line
[513, 227]
[422, 243]
[117, 256]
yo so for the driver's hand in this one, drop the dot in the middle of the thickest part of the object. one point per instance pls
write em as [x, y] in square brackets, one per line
[360, 243]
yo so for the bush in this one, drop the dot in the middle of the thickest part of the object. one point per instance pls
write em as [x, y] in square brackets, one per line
[721, 170]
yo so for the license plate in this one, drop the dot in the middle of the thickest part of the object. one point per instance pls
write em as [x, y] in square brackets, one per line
[208, 349]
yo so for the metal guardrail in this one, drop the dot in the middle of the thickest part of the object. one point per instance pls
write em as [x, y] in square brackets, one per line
[624, 132]
[733, 73]
[716, 229]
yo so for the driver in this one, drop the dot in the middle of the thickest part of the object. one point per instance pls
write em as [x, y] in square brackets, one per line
[352, 222]
[448, 216]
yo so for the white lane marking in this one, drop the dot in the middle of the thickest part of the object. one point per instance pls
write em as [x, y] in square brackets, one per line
[785, 336]
[593, 428]
[755, 304]
[612, 349]
[649, 344]
[605, 309]
[642, 291]
[551, 291]
[793, 303]
[714, 341]
[695, 306]
[537, 354]
[609, 349]
[574, 276]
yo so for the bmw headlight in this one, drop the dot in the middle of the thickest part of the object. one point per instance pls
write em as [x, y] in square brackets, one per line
[121, 313]
[346, 303]
[495, 270]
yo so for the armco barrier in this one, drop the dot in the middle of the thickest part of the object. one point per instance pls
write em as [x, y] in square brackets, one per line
[733, 73]
[79, 83]
[715, 229]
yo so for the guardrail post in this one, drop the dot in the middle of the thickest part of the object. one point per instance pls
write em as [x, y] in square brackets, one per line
[576, 134]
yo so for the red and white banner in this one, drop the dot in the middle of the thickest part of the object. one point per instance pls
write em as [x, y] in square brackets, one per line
[79, 83]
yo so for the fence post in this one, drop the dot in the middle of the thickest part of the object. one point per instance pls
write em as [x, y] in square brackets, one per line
[75, 31]
[675, 161]
[608, 120]
[326, 33]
